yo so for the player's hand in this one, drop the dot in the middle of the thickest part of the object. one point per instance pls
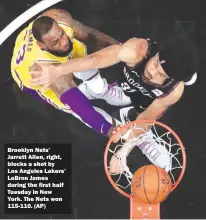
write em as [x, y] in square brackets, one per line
[117, 132]
[44, 77]
[114, 164]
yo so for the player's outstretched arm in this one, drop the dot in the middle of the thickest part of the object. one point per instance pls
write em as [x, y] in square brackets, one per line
[90, 36]
[101, 59]
[131, 52]
[71, 96]
[160, 106]
[153, 112]
[157, 109]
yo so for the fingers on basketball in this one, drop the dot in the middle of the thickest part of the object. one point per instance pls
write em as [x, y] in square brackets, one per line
[151, 184]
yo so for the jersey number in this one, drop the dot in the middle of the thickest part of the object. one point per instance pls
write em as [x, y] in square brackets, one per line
[126, 87]
[20, 55]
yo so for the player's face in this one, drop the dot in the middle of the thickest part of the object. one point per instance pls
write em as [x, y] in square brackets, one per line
[56, 41]
[154, 71]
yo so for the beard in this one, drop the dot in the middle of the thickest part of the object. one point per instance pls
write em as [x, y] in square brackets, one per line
[62, 53]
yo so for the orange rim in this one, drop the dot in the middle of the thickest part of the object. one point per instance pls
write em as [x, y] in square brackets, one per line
[150, 122]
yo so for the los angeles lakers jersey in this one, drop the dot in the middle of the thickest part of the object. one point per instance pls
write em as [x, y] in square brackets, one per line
[27, 52]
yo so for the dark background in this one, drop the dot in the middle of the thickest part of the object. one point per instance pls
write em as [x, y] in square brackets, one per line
[24, 119]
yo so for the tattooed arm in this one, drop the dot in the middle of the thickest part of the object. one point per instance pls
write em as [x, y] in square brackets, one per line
[93, 38]
[60, 84]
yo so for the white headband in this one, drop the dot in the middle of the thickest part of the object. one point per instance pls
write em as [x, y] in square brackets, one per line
[192, 80]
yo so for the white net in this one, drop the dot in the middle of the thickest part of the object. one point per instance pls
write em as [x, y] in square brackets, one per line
[158, 145]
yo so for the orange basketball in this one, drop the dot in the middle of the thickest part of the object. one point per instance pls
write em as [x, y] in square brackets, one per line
[151, 184]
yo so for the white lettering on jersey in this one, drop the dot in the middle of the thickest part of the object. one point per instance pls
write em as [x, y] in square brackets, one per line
[126, 87]
[142, 107]
[136, 85]
[136, 73]
[157, 92]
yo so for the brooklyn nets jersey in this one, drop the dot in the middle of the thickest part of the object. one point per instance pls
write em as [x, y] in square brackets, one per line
[143, 93]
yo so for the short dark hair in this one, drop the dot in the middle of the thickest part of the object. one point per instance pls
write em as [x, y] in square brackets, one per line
[42, 26]
[181, 59]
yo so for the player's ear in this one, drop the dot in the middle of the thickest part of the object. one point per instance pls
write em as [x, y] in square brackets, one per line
[41, 45]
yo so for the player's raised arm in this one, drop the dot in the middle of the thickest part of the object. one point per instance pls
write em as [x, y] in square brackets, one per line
[131, 52]
[98, 60]
[101, 59]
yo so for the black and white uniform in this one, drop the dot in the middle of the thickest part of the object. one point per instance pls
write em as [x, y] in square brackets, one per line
[143, 93]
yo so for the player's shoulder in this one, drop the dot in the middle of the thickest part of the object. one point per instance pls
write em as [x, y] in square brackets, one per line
[174, 96]
[179, 89]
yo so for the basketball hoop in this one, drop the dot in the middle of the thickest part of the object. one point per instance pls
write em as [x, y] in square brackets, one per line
[120, 174]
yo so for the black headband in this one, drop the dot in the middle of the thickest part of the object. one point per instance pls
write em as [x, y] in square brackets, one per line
[169, 67]
[165, 62]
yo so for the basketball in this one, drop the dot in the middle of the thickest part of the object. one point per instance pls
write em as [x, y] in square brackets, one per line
[151, 184]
